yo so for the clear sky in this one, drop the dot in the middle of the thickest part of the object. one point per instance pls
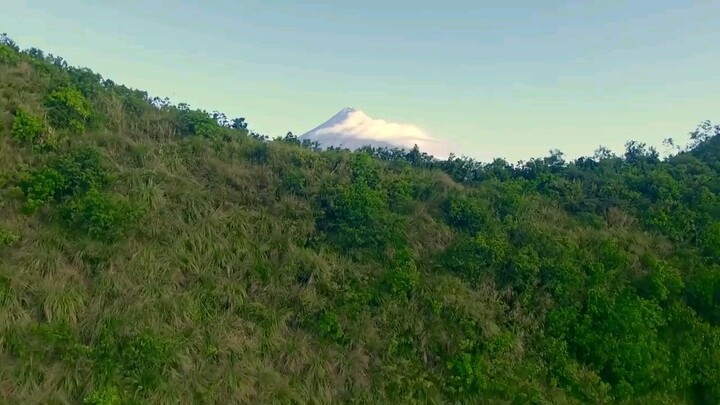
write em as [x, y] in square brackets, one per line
[506, 79]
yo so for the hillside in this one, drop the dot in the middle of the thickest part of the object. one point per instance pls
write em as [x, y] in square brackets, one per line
[154, 253]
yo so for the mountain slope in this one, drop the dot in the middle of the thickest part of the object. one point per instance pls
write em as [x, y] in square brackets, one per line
[151, 254]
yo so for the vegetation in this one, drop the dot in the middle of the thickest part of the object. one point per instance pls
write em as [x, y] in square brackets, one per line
[152, 253]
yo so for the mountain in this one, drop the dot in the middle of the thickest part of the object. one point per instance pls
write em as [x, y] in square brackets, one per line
[352, 128]
[153, 253]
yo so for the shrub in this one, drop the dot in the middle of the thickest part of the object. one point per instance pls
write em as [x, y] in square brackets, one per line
[26, 127]
[7, 238]
[358, 218]
[144, 358]
[8, 55]
[68, 109]
[68, 174]
[75, 180]
[83, 169]
[98, 214]
[399, 195]
[404, 277]
[140, 359]
[711, 240]
[105, 396]
[467, 214]
[522, 271]
[473, 257]
[618, 334]
[293, 180]
[662, 282]
[86, 81]
[364, 171]
[197, 122]
[466, 375]
[41, 186]
[703, 292]
[327, 324]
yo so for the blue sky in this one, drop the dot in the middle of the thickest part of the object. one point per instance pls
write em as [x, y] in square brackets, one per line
[506, 79]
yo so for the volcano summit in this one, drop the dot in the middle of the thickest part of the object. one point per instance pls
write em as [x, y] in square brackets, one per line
[351, 128]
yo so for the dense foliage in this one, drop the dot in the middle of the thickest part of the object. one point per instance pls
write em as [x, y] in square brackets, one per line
[152, 253]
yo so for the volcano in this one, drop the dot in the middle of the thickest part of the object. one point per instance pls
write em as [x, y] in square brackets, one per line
[353, 129]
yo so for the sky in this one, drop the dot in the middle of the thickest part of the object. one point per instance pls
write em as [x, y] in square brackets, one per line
[510, 79]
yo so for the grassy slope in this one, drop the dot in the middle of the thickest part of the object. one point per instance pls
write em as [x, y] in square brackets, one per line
[216, 267]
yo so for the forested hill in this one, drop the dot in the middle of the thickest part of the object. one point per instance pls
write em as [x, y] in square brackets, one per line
[154, 253]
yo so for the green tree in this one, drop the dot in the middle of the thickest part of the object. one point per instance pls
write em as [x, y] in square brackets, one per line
[68, 109]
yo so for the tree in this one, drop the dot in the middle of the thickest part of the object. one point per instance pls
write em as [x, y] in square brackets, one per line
[238, 123]
[7, 41]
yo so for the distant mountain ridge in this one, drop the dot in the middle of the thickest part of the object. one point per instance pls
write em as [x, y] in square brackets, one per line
[353, 129]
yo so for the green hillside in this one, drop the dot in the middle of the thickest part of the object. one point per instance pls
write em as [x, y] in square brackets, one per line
[154, 253]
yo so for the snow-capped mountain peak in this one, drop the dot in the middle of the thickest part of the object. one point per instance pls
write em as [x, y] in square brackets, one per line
[352, 128]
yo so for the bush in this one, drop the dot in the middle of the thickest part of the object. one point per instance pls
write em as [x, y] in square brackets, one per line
[140, 359]
[75, 180]
[7, 238]
[403, 278]
[467, 214]
[293, 180]
[8, 55]
[105, 396]
[467, 374]
[327, 324]
[83, 169]
[100, 215]
[40, 187]
[619, 335]
[399, 195]
[474, 257]
[703, 292]
[711, 240]
[359, 218]
[662, 282]
[197, 122]
[68, 109]
[68, 174]
[26, 127]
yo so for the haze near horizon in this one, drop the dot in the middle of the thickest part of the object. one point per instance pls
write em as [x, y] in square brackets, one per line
[511, 80]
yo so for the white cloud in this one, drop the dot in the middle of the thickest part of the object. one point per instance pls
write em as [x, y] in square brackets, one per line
[359, 125]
